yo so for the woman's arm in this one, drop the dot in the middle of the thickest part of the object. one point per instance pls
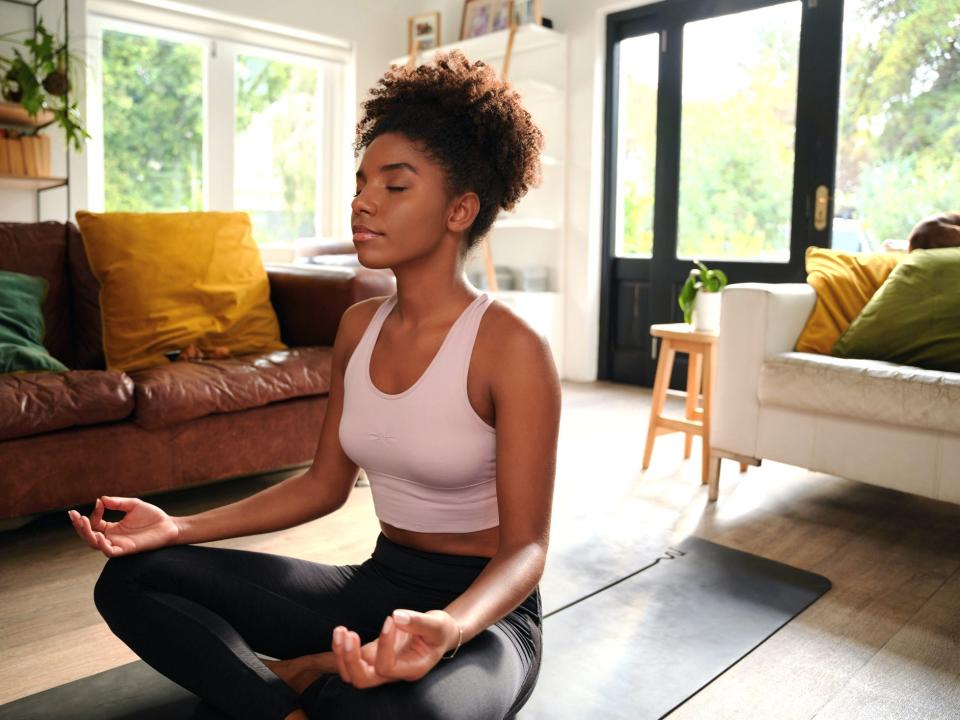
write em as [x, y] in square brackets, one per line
[320, 490]
[526, 396]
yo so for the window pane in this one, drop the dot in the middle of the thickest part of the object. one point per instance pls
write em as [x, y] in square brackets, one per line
[636, 144]
[152, 123]
[899, 144]
[737, 135]
[275, 157]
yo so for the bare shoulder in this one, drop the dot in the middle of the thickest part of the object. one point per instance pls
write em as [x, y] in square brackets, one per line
[353, 322]
[509, 344]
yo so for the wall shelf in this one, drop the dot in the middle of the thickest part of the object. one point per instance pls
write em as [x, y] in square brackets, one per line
[13, 114]
[494, 45]
[25, 182]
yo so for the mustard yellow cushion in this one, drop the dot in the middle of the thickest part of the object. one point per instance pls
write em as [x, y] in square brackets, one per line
[171, 279]
[844, 282]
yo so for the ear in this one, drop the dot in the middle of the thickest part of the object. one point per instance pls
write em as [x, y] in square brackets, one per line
[462, 211]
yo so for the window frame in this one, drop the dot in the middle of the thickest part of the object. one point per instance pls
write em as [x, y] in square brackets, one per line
[223, 38]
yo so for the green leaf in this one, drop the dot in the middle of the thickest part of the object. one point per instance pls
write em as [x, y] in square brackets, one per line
[685, 300]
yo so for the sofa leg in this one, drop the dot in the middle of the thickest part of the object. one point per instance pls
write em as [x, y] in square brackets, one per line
[713, 481]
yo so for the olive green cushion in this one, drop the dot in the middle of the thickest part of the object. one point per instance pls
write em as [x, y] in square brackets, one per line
[914, 318]
[21, 324]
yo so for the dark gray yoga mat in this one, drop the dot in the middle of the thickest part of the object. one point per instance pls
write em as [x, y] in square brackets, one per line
[638, 649]
[656, 625]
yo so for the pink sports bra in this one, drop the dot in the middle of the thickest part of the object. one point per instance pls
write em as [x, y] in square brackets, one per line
[431, 460]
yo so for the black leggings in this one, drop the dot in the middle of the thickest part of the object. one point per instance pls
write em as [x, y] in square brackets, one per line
[199, 614]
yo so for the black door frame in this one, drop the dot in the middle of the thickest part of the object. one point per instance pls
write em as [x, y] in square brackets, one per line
[623, 279]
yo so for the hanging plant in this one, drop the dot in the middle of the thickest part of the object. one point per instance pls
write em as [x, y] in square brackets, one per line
[38, 80]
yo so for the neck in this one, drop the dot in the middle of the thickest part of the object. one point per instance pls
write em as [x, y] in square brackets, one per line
[430, 300]
[433, 288]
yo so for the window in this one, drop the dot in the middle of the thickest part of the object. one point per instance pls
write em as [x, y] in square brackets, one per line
[739, 94]
[899, 124]
[276, 146]
[194, 121]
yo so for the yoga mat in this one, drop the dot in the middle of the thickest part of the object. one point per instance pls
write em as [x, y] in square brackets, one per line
[134, 691]
[639, 648]
[631, 636]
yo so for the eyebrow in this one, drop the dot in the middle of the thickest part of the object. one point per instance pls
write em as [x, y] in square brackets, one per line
[391, 166]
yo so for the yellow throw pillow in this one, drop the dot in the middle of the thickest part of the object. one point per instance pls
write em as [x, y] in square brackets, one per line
[844, 282]
[171, 279]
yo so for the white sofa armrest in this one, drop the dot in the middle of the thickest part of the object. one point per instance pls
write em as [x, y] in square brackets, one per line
[757, 320]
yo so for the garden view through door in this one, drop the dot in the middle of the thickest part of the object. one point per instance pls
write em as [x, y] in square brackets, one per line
[705, 158]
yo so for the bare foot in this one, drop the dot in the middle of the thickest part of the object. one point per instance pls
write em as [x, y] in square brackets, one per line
[299, 673]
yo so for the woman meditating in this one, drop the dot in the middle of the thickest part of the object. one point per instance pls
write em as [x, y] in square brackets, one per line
[449, 402]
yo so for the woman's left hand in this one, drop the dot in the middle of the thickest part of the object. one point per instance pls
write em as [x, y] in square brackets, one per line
[404, 651]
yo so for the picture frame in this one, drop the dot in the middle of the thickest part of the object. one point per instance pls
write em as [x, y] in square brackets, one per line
[485, 16]
[423, 32]
[527, 11]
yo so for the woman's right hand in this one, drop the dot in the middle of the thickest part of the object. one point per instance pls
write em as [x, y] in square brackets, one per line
[143, 527]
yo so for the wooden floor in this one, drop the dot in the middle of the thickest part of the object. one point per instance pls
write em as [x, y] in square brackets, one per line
[884, 643]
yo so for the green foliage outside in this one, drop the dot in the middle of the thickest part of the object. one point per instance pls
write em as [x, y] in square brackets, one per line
[152, 124]
[153, 134]
[736, 161]
[640, 154]
[285, 95]
[900, 118]
[898, 158]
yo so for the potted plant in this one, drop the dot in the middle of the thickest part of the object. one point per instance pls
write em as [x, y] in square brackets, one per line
[40, 81]
[700, 297]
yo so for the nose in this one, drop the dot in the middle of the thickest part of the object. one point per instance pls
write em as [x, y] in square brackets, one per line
[363, 202]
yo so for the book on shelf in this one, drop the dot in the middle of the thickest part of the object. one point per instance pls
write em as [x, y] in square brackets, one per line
[28, 156]
[15, 155]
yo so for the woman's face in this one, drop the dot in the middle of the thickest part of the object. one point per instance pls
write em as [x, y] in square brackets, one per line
[401, 210]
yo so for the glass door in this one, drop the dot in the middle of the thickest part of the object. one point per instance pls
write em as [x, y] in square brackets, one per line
[712, 155]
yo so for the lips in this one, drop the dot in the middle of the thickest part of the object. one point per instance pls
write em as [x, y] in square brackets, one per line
[362, 233]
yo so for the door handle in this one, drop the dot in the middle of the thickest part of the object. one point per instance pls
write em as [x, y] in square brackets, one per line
[821, 205]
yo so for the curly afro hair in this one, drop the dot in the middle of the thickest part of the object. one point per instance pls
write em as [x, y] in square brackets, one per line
[468, 121]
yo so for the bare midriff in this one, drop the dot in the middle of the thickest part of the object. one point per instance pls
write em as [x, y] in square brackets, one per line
[482, 543]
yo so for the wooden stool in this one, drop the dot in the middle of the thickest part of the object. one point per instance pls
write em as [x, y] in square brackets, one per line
[702, 368]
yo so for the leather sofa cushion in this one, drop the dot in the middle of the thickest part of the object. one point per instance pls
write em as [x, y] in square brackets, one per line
[35, 403]
[862, 389]
[40, 249]
[180, 391]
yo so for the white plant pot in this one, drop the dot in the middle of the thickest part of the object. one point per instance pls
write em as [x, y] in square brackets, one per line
[706, 311]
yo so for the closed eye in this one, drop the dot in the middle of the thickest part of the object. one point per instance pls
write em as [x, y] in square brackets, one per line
[391, 189]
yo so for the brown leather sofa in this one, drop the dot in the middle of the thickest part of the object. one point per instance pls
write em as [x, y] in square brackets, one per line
[66, 438]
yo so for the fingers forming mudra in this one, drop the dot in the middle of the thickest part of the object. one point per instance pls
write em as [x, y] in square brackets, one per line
[143, 527]
[409, 645]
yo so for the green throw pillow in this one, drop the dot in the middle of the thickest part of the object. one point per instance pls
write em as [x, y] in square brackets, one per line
[21, 324]
[914, 318]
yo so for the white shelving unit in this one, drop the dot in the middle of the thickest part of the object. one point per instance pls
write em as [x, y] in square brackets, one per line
[533, 234]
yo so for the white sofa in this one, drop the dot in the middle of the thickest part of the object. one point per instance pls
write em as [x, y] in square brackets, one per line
[891, 425]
